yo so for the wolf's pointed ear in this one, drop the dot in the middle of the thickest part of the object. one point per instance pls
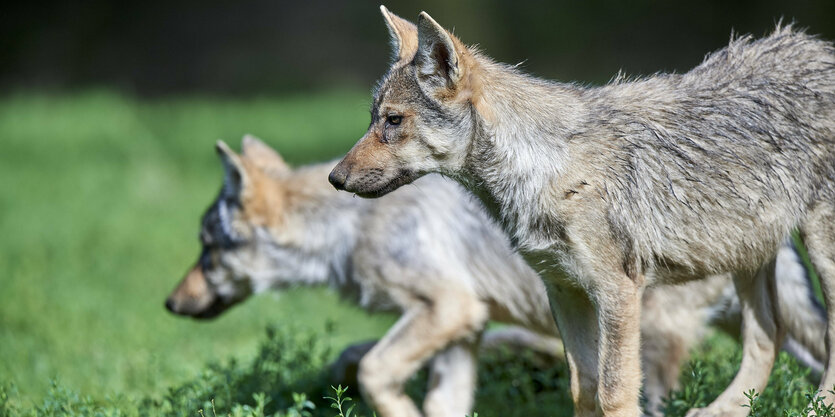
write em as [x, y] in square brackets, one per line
[234, 173]
[438, 60]
[404, 35]
[262, 155]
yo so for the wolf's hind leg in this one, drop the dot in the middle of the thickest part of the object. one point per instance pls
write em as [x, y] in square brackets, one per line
[343, 370]
[670, 326]
[761, 340]
[574, 314]
[421, 332]
[452, 380]
[818, 234]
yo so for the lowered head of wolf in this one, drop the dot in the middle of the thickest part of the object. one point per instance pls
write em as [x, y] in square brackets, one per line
[250, 237]
[424, 114]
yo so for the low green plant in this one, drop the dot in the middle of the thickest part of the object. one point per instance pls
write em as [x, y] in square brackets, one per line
[286, 378]
[342, 403]
[790, 392]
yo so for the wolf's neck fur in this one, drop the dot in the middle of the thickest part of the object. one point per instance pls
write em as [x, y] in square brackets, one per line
[520, 148]
[322, 223]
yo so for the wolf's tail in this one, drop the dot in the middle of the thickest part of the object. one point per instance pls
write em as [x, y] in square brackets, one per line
[799, 311]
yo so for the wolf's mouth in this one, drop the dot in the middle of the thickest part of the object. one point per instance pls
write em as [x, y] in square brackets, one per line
[213, 310]
[403, 178]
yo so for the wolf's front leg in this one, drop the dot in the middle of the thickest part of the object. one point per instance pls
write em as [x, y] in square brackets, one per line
[575, 317]
[670, 325]
[422, 331]
[618, 301]
[819, 236]
[452, 380]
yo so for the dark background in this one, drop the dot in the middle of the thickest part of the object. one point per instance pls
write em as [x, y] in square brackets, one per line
[272, 47]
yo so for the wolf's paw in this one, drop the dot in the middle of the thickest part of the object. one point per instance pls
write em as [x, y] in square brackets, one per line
[715, 411]
[700, 412]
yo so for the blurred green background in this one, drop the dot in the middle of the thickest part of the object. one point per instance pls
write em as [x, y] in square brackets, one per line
[99, 211]
[109, 112]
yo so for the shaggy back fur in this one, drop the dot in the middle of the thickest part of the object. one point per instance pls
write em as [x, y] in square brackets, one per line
[706, 171]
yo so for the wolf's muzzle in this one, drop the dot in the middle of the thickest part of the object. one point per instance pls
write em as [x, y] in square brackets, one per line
[338, 176]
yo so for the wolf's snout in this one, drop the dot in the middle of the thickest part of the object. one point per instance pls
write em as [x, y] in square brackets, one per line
[338, 177]
[193, 297]
[169, 305]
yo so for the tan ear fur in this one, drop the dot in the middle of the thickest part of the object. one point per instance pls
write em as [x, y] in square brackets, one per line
[232, 163]
[404, 35]
[437, 55]
[262, 155]
[248, 177]
[448, 67]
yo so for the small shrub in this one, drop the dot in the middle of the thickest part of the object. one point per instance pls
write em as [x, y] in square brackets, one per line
[789, 392]
[286, 378]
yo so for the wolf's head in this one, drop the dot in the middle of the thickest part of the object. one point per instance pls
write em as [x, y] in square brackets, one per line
[424, 113]
[242, 235]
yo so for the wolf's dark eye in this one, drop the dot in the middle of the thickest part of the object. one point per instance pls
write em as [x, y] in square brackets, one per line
[394, 120]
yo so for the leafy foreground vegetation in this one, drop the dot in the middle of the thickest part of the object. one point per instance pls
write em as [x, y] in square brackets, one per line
[288, 378]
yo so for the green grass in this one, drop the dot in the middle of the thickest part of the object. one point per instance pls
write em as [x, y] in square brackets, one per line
[100, 197]
[285, 378]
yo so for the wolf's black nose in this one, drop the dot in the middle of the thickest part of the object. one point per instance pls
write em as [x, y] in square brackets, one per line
[169, 305]
[337, 177]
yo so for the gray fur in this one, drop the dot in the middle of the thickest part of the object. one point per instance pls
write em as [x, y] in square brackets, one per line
[688, 165]
[606, 190]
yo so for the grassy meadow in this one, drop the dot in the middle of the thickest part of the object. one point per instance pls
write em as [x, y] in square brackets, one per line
[100, 199]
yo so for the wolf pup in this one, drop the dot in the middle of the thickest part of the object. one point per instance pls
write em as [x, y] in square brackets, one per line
[607, 190]
[441, 262]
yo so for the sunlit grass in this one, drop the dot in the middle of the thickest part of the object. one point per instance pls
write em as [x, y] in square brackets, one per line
[100, 197]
